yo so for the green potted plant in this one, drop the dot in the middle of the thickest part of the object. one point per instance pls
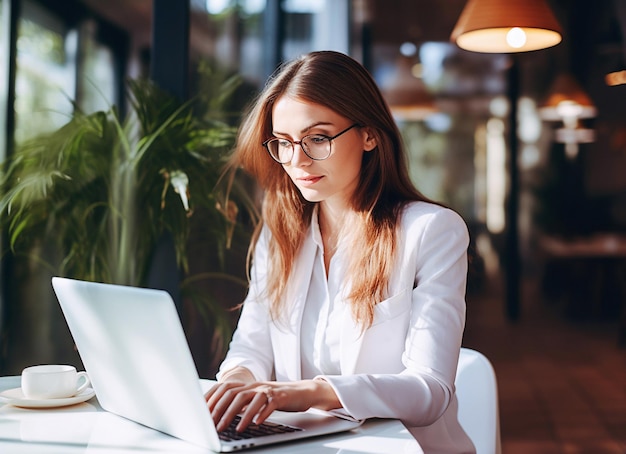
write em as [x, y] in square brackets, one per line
[104, 189]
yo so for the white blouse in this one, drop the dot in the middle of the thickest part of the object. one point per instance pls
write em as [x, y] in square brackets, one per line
[323, 310]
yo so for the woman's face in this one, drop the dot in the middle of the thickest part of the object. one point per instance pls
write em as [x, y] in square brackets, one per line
[335, 178]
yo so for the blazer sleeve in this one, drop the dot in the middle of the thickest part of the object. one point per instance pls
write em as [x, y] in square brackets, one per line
[435, 256]
[250, 346]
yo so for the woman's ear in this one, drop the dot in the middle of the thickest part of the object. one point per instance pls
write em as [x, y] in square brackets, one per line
[369, 139]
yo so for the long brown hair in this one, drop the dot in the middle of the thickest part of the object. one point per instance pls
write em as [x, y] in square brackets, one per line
[340, 83]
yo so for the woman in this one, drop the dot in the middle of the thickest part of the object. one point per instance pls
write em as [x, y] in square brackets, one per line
[357, 288]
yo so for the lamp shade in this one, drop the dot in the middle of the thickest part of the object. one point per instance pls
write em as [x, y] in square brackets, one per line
[567, 101]
[406, 94]
[506, 26]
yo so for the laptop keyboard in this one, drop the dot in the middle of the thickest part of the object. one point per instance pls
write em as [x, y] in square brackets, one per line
[254, 430]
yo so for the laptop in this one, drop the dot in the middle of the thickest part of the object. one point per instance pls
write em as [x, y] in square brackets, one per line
[134, 349]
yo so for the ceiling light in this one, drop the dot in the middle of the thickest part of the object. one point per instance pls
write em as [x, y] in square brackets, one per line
[615, 78]
[567, 101]
[406, 94]
[505, 26]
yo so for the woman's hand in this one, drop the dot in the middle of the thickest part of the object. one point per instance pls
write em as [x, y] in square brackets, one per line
[257, 400]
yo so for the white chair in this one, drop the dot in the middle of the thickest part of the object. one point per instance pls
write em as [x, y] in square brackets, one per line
[477, 393]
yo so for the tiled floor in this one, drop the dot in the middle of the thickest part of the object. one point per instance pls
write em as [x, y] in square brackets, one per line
[562, 384]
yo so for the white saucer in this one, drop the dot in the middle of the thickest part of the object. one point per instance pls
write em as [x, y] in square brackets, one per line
[16, 398]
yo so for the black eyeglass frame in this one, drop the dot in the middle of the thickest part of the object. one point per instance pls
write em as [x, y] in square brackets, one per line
[304, 148]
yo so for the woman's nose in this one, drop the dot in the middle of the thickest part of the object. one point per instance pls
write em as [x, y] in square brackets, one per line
[299, 158]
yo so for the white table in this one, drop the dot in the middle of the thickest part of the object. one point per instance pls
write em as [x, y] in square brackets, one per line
[86, 428]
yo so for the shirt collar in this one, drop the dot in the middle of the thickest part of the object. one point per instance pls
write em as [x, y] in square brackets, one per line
[316, 234]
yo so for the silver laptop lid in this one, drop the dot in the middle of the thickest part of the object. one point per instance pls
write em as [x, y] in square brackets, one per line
[112, 327]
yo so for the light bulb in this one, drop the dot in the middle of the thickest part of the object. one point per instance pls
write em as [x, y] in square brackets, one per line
[569, 109]
[516, 37]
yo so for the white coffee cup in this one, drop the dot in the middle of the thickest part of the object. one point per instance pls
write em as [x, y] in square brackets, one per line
[52, 381]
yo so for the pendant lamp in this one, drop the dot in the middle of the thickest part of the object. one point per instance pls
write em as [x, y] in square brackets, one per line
[406, 93]
[567, 101]
[506, 26]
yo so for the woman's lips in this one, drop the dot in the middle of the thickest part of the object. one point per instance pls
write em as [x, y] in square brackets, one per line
[309, 180]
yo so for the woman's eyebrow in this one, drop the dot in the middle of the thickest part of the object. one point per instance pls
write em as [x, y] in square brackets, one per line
[306, 129]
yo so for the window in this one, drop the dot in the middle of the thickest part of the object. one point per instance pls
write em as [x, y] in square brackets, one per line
[315, 25]
[56, 65]
[96, 85]
[45, 72]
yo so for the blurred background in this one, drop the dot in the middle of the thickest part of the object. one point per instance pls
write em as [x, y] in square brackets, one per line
[529, 147]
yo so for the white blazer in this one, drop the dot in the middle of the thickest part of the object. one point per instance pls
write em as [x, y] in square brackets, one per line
[404, 365]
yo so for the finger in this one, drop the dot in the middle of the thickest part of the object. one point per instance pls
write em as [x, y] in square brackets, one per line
[225, 404]
[258, 403]
[210, 392]
[234, 402]
[268, 408]
[215, 394]
[242, 404]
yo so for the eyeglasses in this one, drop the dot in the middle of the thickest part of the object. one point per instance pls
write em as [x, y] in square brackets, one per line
[315, 146]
